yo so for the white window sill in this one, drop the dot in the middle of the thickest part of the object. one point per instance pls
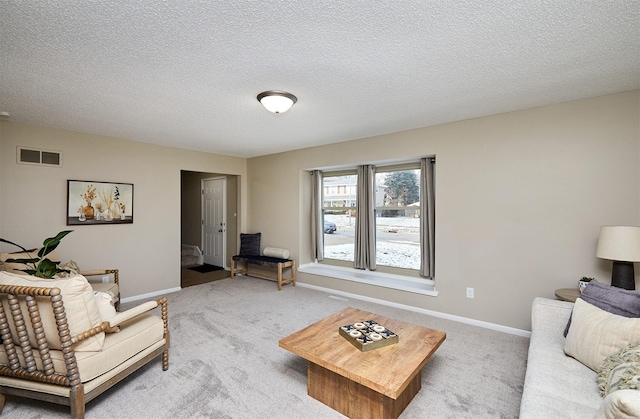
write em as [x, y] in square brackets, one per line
[380, 279]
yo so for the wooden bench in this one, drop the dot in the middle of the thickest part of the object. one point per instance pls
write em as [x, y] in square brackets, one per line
[268, 262]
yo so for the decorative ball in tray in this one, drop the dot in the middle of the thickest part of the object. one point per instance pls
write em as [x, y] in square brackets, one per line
[368, 335]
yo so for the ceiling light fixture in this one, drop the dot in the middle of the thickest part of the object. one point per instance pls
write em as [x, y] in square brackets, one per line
[276, 101]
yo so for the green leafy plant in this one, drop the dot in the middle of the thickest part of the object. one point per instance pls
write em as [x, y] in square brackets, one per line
[41, 266]
[586, 279]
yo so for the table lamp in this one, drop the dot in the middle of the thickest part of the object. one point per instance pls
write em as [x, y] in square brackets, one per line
[621, 244]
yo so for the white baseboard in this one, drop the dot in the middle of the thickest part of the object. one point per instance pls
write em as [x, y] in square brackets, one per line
[473, 322]
[149, 295]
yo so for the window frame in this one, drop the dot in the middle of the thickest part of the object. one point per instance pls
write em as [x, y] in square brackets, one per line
[393, 169]
[382, 168]
[325, 208]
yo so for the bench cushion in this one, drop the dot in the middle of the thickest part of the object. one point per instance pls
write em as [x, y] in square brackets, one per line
[260, 260]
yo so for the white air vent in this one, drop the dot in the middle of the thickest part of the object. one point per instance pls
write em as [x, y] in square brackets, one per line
[39, 157]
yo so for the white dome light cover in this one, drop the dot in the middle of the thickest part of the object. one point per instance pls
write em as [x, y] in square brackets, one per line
[277, 101]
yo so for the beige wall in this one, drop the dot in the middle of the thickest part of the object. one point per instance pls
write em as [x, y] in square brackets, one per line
[520, 200]
[147, 252]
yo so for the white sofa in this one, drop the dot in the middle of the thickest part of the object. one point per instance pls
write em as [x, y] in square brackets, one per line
[559, 386]
[556, 385]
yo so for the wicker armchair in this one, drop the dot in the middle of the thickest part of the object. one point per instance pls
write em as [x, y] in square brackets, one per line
[56, 345]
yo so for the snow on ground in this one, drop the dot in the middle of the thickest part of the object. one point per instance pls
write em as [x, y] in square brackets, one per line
[387, 254]
[403, 252]
[409, 224]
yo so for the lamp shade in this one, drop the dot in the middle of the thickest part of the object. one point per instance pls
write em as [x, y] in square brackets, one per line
[276, 101]
[621, 243]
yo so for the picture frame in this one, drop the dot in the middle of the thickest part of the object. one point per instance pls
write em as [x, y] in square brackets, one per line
[99, 203]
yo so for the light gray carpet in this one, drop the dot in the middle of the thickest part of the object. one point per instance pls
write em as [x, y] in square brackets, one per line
[225, 362]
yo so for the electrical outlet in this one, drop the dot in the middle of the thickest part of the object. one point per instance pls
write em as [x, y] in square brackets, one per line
[469, 292]
[105, 279]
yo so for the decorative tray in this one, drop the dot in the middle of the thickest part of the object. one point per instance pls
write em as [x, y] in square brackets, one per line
[368, 335]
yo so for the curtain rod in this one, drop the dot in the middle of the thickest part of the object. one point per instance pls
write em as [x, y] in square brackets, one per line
[433, 160]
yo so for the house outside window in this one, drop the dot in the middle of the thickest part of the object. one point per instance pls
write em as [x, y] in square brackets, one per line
[339, 210]
[397, 216]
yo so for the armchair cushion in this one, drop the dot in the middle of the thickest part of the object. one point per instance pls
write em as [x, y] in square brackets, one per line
[109, 288]
[106, 309]
[105, 306]
[134, 336]
[79, 303]
[143, 333]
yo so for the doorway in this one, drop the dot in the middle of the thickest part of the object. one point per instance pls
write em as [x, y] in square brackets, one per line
[223, 203]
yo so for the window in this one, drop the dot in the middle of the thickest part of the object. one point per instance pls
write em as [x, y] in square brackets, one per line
[397, 210]
[396, 215]
[339, 210]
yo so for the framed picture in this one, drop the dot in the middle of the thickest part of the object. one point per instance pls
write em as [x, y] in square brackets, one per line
[90, 203]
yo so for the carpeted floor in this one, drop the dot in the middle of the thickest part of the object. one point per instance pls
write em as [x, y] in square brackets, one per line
[225, 362]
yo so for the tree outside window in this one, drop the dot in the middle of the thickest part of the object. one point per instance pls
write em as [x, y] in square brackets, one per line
[398, 218]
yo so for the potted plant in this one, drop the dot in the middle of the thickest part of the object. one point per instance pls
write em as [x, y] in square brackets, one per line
[40, 265]
[583, 282]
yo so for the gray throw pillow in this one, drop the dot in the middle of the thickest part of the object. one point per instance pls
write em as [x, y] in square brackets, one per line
[614, 300]
[250, 244]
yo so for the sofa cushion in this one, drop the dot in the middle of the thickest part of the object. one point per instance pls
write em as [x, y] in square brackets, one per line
[612, 299]
[621, 404]
[79, 304]
[621, 370]
[596, 334]
[250, 244]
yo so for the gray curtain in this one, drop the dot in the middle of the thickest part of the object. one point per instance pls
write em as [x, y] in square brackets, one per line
[427, 217]
[365, 240]
[317, 220]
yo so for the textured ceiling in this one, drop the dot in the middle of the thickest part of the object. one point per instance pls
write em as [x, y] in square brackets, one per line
[187, 73]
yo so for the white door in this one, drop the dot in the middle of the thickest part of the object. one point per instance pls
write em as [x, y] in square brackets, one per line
[214, 231]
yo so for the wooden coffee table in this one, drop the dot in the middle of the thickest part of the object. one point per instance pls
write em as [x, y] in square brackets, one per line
[375, 384]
